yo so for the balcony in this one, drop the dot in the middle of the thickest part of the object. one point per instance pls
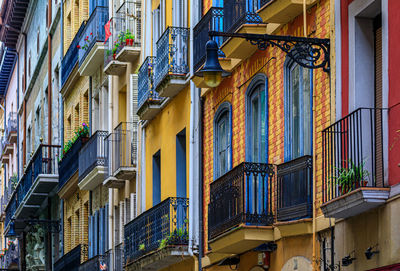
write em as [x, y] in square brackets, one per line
[353, 165]
[121, 155]
[172, 61]
[129, 23]
[38, 181]
[94, 264]
[69, 163]
[7, 149]
[71, 261]
[282, 11]
[11, 257]
[113, 66]
[119, 257]
[158, 237]
[70, 59]
[92, 166]
[11, 128]
[91, 43]
[240, 200]
[149, 103]
[241, 17]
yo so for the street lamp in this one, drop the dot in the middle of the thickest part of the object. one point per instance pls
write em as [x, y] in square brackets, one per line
[11, 234]
[212, 70]
[310, 53]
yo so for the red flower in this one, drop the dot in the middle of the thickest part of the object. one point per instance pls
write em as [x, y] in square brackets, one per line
[91, 34]
[79, 47]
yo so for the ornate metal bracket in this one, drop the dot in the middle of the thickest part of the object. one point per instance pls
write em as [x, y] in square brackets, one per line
[311, 53]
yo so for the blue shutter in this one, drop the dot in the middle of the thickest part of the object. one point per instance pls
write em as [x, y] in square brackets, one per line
[101, 232]
[106, 227]
[90, 237]
[96, 233]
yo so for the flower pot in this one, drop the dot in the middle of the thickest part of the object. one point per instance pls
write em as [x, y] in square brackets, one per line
[130, 42]
[114, 56]
[127, 42]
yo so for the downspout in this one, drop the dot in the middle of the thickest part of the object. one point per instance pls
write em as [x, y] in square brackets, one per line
[201, 198]
[24, 103]
[59, 82]
[17, 115]
[49, 68]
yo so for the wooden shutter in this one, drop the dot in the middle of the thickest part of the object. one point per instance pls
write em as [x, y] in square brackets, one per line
[121, 220]
[90, 237]
[116, 225]
[101, 231]
[106, 228]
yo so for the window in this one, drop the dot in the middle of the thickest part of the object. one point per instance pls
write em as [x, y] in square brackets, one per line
[156, 178]
[181, 164]
[298, 115]
[222, 134]
[257, 121]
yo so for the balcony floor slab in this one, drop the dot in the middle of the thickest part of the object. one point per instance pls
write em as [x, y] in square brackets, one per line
[355, 202]
[171, 85]
[242, 239]
[125, 173]
[92, 60]
[113, 182]
[283, 11]
[129, 54]
[149, 109]
[115, 67]
[93, 179]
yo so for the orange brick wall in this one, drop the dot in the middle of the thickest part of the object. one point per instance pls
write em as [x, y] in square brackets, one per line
[233, 89]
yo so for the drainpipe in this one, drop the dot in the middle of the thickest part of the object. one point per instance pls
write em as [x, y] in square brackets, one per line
[24, 103]
[201, 199]
[49, 68]
[59, 79]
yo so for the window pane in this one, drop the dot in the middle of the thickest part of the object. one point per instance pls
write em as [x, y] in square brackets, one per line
[222, 142]
[307, 121]
[254, 130]
[295, 108]
[263, 127]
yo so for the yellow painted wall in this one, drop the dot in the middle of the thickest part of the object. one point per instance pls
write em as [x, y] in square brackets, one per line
[76, 97]
[75, 12]
[161, 135]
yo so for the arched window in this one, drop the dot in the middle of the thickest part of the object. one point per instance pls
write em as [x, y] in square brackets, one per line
[298, 111]
[257, 120]
[222, 135]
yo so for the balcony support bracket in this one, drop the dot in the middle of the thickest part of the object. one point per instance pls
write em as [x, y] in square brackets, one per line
[311, 53]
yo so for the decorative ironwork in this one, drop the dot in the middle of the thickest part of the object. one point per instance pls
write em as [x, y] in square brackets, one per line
[353, 147]
[11, 124]
[70, 261]
[166, 224]
[70, 162]
[92, 154]
[294, 189]
[242, 195]
[172, 54]
[121, 148]
[239, 12]
[93, 264]
[71, 57]
[311, 53]
[119, 257]
[264, 2]
[94, 32]
[50, 226]
[211, 21]
[146, 93]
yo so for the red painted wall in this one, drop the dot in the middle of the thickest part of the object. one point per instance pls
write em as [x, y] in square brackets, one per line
[394, 91]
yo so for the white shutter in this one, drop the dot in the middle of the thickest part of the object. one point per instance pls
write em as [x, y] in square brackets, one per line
[134, 93]
[133, 206]
[127, 211]
[116, 225]
[156, 29]
[121, 220]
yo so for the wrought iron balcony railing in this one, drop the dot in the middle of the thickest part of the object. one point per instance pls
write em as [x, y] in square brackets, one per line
[121, 148]
[237, 13]
[94, 264]
[294, 189]
[172, 54]
[11, 123]
[93, 4]
[145, 83]
[11, 256]
[213, 20]
[10, 209]
[92, 154]
[264, 2]
[70, 162]
[165, 224]
[353, 153]
[241, 196]
[93, 32]
[71, 57]
[129, 20]
[119, 257]
[72, 259]
[44, 161]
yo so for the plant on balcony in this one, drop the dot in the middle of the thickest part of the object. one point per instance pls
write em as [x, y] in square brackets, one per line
[351, 177]
[14, 180]
[82, 132]
[178, 236]
[87, 42]
[141, 247]
[129, 37]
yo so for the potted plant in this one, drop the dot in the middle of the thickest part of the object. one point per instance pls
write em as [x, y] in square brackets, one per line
[351, 177]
